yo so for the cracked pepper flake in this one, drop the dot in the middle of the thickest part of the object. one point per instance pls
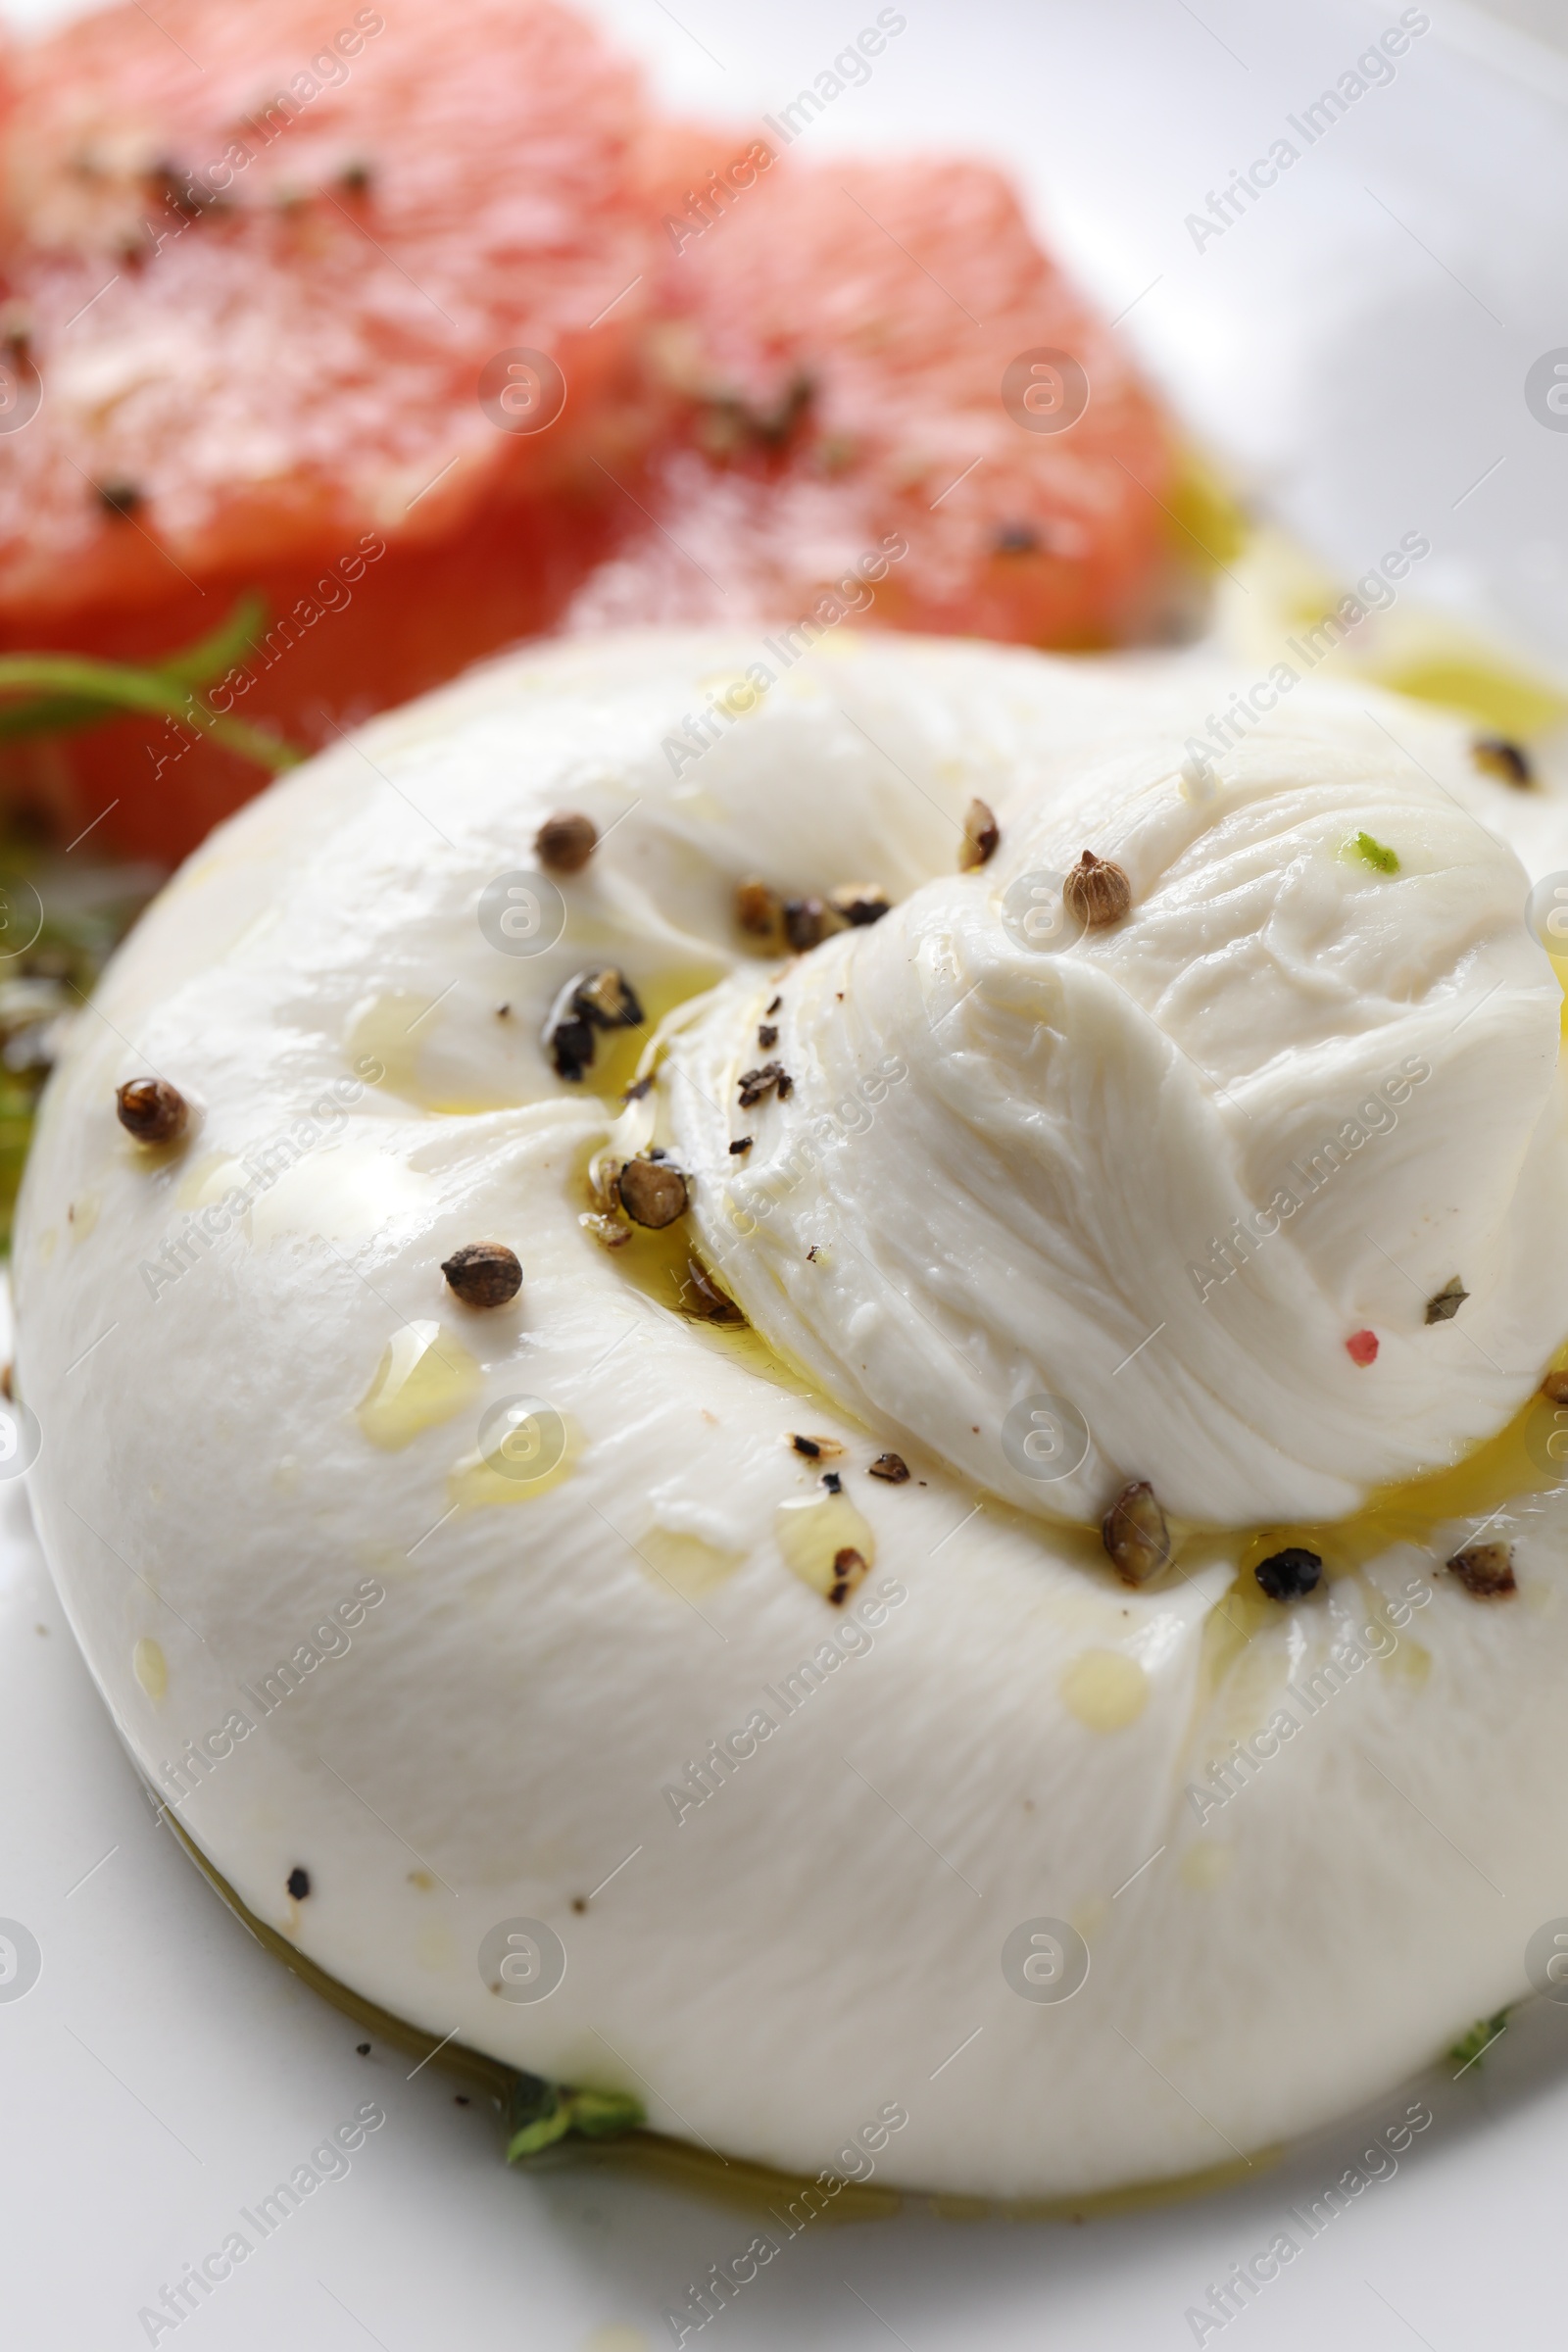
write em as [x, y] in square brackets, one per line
[1485, 1570]
[756, 1084]
[805, 922]
[595, 1000]
[708, 1299]
[858, 904]
[981, 834]
[849, 1567]
[757, 908]
[1135, 1535]
[1500, 758]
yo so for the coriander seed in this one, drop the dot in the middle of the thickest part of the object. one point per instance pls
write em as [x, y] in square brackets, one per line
[1097, 892]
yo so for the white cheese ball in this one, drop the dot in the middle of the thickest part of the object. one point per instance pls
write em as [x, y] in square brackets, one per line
[602, 1728]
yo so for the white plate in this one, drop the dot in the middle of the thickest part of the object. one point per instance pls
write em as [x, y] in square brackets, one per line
[1355, 347]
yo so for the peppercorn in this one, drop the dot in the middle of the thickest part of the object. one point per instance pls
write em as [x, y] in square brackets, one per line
[805, 922]
[152, 1111]
[299, 1884]
[981, 834]
[757, 908]
[858, 904]
[653, 1192]
[1500, 758]
[1289, 1575]
[563, 844]
[1446, 1302]
[483, 1273]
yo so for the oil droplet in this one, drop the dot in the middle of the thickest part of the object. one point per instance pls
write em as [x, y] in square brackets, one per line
[735, 690]
[684, 1563]
[345, 1192]
[213, 1177]
[424, 1377]
[1409, 1664]
[435, 1947]
[505, 1474]
[615, 2339]
[813, 1529]
[1090, 1917]
[695, 801]
[423, 1879]
[151, 1669]
[1105, 1690]
[1207, 1865]
[384, 1030]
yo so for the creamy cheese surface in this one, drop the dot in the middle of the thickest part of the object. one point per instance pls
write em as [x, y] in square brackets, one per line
[514, 1631]
[1322, 1044]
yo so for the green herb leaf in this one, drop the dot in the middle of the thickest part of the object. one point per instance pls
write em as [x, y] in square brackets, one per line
[62, 693]
[1374, 853]
[605, 2114]
[1482, 2035]
[540, 2113]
